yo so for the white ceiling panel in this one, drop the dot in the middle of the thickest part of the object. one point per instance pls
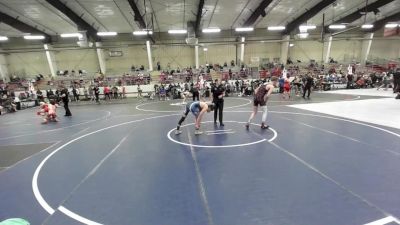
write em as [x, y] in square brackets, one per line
[285, 11]
[225, 14]
[174, 14]
[343, 8]
[384, 11]
[103, 15]
[35, 13]
[117, 15]
[243, 11]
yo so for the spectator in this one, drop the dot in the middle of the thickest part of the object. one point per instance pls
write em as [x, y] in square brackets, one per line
[309, 82]
[65, 99]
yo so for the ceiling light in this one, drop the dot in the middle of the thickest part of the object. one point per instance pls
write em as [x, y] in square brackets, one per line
[106, 33]
[244, 29]
[307, 27]
[291, 45]
[303, 35]
[205, 49]
[367, 26]
[78, 35]
[211, 30]
[177, 31]
[3, 38]
[142, 32]
[391, 25]
[276, 28]
[337, 26]
[34, 37]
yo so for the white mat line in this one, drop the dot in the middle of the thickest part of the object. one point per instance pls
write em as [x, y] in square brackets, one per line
[229, 132]
[384, 221]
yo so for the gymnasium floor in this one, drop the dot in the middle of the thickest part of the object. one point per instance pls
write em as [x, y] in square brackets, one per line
[122, 164]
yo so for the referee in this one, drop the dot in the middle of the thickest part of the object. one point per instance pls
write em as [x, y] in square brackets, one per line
[218, 100]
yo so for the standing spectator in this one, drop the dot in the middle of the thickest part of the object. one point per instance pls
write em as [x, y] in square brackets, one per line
[139, 96]
[385, 80]
[40, 95]
[85, 93]
[309, 82]
[65, 99]
[281, 84]
[96, 91]
[91, 93]
[396, 81]
[237, 85]
[195, 92]
[349, 81]
[106, 93]
[218, 100]
[75, 92]
[17, 102]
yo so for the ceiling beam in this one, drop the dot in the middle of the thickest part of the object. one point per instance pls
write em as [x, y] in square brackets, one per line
[81, 23]
[198, 17]
[139, 18]
[381, 23]
[307, 15]
[358, 13]
[259, 11]
[21, 26]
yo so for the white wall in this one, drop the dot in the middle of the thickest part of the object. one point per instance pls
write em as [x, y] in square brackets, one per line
[306, 50]
[32, 63]
[132, 55]
[346, 50]
[384, 49]
[29, 64]
[261, 50]
[217, 54]
[181, 56]
[85, 59]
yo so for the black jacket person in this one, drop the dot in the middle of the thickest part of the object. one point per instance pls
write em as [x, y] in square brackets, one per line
[218, 100]
[65, 99]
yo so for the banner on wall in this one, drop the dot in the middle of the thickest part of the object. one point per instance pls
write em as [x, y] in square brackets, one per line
[115, 53]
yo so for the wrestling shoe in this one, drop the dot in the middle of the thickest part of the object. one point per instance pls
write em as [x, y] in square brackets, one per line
[247, 126]
[198, 132]
[177, 132]
[264, 127]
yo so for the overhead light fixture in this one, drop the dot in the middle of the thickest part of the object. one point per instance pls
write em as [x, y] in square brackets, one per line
[177, 31]
[211, 30]
[391, 25]
[205, 49]
[106, 33]
[276, 28]
[337, 26]
[307, 27]
[142, 32]
[70, 35]
[303, 35]
[291, 45]
[367, 26]
[3, 38]
[34, 37]
[244, 29]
